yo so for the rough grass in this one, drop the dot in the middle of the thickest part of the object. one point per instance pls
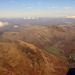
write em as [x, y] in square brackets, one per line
[60, 54]
[55, 51]
[73, 55]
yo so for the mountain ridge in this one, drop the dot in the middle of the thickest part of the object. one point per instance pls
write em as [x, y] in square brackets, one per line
[23, 58]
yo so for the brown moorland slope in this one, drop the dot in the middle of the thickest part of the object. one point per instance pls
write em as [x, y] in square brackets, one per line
[39, 36]
[21, 58]
[68, 46]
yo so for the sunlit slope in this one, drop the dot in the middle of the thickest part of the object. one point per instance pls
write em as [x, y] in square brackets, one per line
[20, 58]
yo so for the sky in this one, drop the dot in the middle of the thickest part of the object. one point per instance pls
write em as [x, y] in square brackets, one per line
[36, 8]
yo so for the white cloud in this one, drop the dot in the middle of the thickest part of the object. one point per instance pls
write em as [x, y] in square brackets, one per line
[67, 7]
[73, 17]
[25, 18]
[3, 24]
[30, 18]
[30, 7]
[15, 26]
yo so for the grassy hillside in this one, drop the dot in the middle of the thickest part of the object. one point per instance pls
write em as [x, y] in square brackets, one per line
[67, 58]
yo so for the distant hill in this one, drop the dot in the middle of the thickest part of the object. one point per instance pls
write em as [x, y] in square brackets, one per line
[39, 35]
